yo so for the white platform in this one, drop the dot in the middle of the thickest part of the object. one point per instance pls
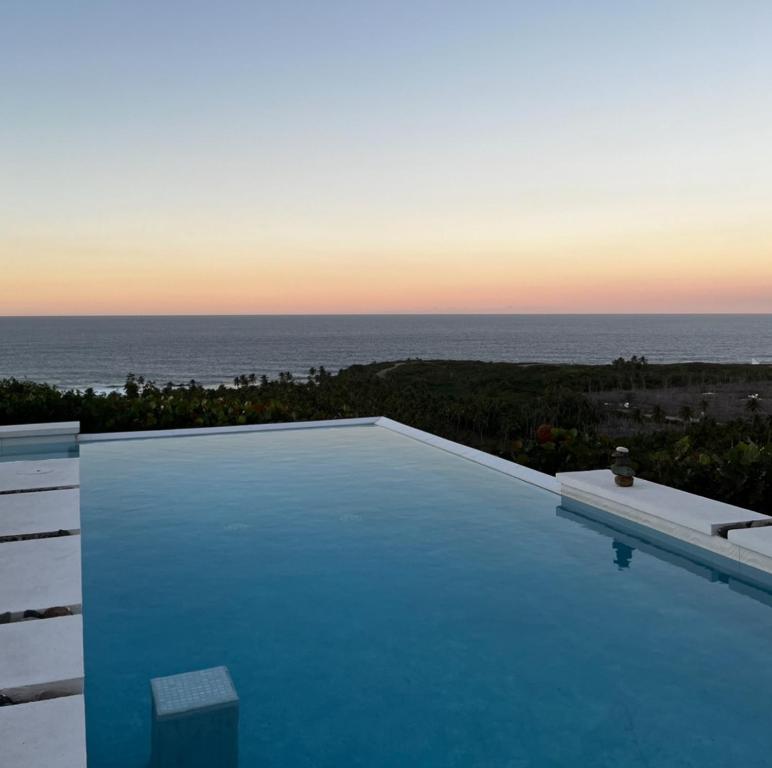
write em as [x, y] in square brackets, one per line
[40, 573]
[42, 653]
[41, 512]
[44, 734]
[755, 546]
[686, 510]
[38, 475]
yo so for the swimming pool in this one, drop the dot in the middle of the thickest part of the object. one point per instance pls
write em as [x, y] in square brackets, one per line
[380, 602]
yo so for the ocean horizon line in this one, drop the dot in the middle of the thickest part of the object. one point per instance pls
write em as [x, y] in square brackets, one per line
[388, 314]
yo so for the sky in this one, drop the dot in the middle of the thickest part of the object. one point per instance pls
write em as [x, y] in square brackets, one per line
[353, 157]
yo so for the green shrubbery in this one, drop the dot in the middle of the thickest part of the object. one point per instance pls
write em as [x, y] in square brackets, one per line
[537, 415]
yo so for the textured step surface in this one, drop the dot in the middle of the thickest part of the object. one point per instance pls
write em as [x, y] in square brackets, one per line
[39, 512]
[41, 652]
[37, 475]
[40, 573]
[44, 734]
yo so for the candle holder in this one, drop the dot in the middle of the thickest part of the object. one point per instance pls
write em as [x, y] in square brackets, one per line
[624, 474]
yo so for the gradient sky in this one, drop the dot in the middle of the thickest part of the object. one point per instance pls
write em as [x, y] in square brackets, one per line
[255, 157]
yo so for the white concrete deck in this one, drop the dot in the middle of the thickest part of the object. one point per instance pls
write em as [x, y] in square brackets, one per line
[44, 734]
[660, 501]
[45, 654]
[34, 475]
[41, 512]
[40, 573]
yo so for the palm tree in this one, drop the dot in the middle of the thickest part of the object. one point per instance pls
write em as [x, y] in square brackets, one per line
[753, 404]
[685, 412]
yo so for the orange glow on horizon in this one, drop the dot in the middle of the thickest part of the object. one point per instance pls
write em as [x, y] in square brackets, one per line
[665, 274]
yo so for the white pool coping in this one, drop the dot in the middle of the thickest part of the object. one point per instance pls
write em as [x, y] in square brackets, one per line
[101, 437]
[51, 429]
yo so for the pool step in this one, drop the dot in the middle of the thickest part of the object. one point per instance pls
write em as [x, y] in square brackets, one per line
[44, 734]
[28, 513]
[41, 475]
[42, 718]
[40, 573]
[42, 658]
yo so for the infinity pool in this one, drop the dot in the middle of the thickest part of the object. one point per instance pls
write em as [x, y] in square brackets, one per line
[380, 602]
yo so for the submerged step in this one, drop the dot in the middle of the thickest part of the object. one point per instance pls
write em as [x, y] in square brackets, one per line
[195, 720]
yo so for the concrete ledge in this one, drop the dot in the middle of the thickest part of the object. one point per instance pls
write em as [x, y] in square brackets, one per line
[44, 474]
[755, 546]
[44, 734]
[42, 512]
[526, 474]
[194, 432]
[52, 429]
[667, 505]
[40, 573]
[45, 655]
[19, 447]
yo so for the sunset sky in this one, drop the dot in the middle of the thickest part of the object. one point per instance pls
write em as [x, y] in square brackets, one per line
[334, 157]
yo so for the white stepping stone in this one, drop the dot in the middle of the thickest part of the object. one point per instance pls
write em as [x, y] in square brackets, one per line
[39, 512]
[40, 573]
[42, 655]
[38, 475]
[44, 734]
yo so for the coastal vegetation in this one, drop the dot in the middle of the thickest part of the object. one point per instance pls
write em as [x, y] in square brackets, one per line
[705, 428]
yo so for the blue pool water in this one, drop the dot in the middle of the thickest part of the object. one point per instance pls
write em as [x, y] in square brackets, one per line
[382, 603]
[26, 449]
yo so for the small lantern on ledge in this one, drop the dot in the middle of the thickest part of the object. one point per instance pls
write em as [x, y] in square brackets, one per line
[624, 474]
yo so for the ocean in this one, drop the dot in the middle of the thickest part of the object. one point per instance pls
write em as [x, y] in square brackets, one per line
[100, 351]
